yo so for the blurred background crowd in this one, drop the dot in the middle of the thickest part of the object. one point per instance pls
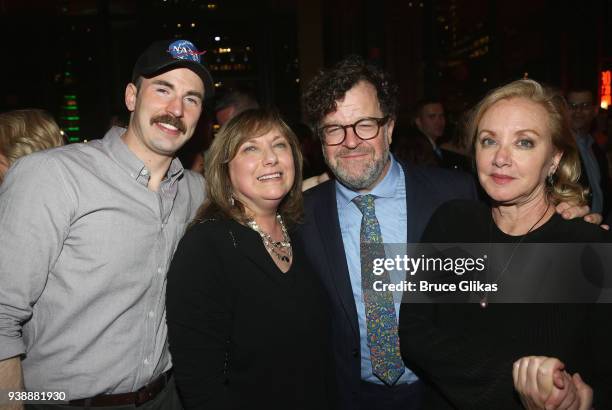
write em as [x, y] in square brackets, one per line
[73, 58]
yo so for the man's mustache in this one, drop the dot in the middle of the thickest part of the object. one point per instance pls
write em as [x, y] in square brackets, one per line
[171, 120]
[359, 150]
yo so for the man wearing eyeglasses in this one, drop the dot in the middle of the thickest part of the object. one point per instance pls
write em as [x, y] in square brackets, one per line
[352, 108]
[594, 173]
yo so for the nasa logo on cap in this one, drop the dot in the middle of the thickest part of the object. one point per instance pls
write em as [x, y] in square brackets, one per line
[166, 55]
[184, 50]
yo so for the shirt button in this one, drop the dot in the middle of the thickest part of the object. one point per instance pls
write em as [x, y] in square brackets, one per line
[151, 314]
[144, 172]
[146, 361]
[160, 270]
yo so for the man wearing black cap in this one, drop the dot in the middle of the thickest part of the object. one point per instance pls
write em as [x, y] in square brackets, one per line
[88, 232]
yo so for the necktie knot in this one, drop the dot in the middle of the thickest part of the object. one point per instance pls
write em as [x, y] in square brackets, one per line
[365, 204]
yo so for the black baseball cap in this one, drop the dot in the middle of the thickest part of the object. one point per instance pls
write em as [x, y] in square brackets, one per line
[166, 55]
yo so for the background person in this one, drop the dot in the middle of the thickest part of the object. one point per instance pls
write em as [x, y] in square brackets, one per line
[247, 316]
[23, 132]
[232, 102]
[228, 103]
[428, 143]
[527, 163]
[594, 174]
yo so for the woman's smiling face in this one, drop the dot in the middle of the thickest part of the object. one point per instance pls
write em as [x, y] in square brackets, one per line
[514, 151]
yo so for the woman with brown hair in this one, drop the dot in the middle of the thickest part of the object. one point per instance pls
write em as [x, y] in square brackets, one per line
[527, 163]
[247, 317]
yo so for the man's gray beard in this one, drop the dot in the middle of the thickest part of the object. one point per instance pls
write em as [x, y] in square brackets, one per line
[364, 180]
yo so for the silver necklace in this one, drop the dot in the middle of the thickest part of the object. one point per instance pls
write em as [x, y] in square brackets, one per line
[280, 249]
[484, 302]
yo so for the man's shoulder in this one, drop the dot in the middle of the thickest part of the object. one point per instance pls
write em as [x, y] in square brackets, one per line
[192, 177]
[58, 159]
[193, 186]
[194, 181]
[52, 178]
[85, 154]
[318, 200]
[321, 192]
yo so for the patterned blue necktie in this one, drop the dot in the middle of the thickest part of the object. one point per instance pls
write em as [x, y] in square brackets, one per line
[382, 338]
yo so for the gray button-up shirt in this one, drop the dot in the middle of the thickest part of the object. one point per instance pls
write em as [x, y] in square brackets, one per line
[84, 250]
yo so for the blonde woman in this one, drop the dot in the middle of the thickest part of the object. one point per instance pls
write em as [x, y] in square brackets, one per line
[527, 163]
[23, 132]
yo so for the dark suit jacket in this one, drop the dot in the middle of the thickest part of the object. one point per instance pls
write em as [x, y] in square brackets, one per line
[602, 162]
[242, 333]
[426, 189]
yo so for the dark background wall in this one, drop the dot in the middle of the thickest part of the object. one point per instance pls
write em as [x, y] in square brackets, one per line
[453, 49]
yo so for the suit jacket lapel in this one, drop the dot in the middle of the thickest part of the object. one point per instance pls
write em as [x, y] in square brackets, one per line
[328, 224]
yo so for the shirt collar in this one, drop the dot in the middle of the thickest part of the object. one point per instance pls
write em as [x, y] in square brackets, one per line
[386, 188]
[130, 162]
[176, 168]
[431, 141]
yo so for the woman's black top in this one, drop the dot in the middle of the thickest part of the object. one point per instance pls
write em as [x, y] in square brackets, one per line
[465, 352]
[242, 333]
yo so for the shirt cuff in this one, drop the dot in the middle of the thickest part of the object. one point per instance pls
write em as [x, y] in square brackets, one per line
[10, 347]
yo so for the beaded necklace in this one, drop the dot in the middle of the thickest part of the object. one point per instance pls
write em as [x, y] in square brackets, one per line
[280, 249]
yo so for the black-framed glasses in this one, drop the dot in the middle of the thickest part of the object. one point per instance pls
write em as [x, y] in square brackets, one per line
[366, 129]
